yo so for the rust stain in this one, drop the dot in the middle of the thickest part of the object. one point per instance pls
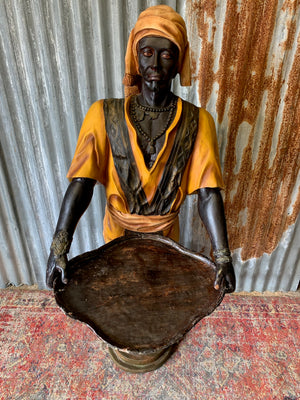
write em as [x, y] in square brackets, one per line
[193, 65]
[259, 208]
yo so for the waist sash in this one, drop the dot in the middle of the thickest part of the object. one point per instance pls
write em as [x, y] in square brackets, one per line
[142, 223]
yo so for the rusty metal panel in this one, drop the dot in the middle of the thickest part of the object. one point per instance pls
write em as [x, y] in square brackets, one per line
[247, 71]
[57, 57]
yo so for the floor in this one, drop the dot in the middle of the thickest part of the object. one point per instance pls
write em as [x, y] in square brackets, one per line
[247, 349]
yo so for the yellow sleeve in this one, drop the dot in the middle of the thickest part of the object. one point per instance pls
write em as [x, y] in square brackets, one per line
[90, 158]
[204, 168]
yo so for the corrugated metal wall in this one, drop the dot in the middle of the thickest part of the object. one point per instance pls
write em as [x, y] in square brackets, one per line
[59, 56]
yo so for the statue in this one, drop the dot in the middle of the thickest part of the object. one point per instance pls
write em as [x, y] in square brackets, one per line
[149, 150]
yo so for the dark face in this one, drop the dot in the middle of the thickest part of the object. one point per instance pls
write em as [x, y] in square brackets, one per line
[158, 61]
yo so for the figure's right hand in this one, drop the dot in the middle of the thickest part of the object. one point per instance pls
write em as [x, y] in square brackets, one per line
[56, 267]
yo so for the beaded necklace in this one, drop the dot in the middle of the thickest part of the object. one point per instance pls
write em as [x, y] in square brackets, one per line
[153, 112]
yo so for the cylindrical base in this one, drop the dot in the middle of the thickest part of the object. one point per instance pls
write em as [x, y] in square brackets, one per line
[137, 362]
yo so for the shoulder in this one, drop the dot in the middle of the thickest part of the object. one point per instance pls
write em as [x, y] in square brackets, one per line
[113, 102]
[189, 105]
[112, 107]
[95, 110]
[202, 111]
[98, 105]
[100, 108]
[204, 116]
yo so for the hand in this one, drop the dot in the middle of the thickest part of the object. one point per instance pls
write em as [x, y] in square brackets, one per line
[225, 277]
[57, 262]
[56, 267]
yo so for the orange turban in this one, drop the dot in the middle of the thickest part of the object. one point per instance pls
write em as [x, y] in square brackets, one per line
[157, 21]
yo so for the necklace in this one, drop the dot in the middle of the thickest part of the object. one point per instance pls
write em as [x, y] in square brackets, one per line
[134, 105]
[153, 112]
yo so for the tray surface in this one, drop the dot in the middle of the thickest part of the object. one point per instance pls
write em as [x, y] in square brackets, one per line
[139, 293]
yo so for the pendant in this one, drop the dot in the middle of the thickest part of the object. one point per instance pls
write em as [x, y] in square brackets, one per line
[153, 115]
[140, 115]
[151, 148]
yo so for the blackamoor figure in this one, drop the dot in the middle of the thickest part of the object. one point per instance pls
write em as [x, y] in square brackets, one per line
[149, 150]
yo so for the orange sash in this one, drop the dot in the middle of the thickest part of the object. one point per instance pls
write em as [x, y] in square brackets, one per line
[142, 223]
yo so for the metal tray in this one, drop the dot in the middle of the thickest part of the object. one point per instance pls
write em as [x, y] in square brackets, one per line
[139, 293]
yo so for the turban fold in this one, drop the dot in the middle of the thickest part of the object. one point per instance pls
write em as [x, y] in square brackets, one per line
[157, 21]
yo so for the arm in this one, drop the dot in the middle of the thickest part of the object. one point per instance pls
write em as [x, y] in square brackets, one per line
[211, 211]
[75, 202]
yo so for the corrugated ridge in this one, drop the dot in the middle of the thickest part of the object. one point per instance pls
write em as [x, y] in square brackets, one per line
[56, 58]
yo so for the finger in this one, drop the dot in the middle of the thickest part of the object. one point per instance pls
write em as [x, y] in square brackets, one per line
[218, 280]
[229, 287]
[230, 283]
[61, 264]
[63, 276]
[49, 281]
[51, 277]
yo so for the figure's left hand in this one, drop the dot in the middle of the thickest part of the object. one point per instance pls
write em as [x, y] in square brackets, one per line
[225, 277]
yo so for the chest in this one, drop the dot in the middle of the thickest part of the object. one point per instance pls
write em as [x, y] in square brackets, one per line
[128, 171]
[151, 126]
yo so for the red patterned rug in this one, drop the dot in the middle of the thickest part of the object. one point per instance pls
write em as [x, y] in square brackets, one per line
[247, 349]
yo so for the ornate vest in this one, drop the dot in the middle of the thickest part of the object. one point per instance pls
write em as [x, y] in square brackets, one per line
[126, 167]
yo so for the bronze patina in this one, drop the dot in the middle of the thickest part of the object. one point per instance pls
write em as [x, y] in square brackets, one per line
[142, 294]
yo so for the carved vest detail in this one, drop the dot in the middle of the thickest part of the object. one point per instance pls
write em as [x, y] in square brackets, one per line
[126, 167]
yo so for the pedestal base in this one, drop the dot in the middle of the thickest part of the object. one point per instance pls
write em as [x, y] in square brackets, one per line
[139, 363]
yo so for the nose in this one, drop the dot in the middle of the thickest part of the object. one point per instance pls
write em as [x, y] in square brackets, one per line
[155, 61]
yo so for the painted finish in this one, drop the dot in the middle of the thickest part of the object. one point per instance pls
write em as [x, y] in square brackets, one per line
[58, 57]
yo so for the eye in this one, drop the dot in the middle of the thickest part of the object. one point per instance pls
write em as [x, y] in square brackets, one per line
[147, 52]
[167, 55]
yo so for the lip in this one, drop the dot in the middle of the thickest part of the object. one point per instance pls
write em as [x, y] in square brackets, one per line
[154, 77]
